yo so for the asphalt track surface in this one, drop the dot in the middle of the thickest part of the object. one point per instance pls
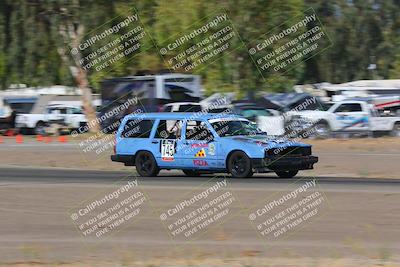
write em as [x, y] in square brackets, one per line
[360, 218]
[54, 175]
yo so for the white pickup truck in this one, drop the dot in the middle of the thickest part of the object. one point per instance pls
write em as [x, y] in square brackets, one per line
[69, 116]
[350, 117]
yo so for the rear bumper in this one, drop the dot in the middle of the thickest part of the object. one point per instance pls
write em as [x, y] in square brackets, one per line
[285, 163]
[128, 160]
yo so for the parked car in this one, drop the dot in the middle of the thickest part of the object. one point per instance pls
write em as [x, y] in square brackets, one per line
[269, 122]
[69, 116]
[210, 143]
[349, 117]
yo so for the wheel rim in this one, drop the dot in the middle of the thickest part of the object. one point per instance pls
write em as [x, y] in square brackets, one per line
[145, 163]
[238, 165]
[321, 130]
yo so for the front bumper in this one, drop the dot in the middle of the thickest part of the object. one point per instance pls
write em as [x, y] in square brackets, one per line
[284, 163]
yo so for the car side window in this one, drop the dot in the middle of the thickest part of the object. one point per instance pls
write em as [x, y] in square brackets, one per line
[349, 108]
[137, 128]
[169, 129]
[197, 130]
[76, 111]
[168, 109]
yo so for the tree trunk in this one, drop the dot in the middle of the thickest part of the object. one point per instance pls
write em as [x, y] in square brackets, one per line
[90, 113]
[72, 35]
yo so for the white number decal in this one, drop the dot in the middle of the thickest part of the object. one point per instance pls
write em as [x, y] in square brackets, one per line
[167, 149]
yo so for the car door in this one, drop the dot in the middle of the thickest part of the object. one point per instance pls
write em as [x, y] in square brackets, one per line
[54, 115]
[74, 117]
[351, 117]
[165, 141]
[198, 148]
[378, 123]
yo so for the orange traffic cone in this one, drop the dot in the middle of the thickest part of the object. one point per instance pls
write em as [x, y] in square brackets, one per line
[47, 139]
[62, 139]
[1, 139]
[10, 132]
[39, 138]
[19, 139]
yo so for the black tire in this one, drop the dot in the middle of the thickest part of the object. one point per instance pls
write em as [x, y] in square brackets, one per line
[396, 130]
[25, 131]
[39, 128]
[191, 173]
[146, 164]
[239, 165]
[286, 174]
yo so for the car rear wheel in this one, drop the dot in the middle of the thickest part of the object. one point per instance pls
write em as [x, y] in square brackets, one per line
[191, 173]
[396, 130]
[146, 165]
[239, 165]
[286, 174]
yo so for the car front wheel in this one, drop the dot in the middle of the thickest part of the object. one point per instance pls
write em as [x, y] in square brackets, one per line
[286, 174]
[239, 165]
[146, 165]
[322, 130]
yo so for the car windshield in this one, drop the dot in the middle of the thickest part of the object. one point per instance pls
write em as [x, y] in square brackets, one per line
[235, 127]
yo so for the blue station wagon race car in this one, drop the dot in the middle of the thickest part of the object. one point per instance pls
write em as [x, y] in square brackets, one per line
[208, 143]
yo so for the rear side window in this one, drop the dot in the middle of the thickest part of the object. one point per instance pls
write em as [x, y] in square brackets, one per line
[137, 128]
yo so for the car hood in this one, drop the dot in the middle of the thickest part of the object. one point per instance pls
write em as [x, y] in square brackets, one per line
[265, 141]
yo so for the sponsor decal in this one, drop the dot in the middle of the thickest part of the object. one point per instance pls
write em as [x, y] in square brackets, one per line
[211, 149]
[391, 103]
[354, 121]
[200, 154]
[200, 145]
[167, 150]
[200, 162]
